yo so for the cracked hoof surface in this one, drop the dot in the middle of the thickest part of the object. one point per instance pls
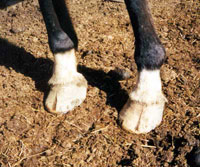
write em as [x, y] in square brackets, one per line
[142, 117]
[66, 96]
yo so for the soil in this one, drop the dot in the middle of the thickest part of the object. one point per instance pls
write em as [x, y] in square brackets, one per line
[90, 136]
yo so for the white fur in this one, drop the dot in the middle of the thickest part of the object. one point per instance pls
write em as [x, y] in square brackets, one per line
[149, 86]
[68, 87]
[65, 67]
[144, 109]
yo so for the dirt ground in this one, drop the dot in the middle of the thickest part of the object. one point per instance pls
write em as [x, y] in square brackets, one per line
[89, 136]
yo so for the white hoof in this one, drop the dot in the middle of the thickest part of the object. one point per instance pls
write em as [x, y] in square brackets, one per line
[141, 117]
[65, 97]
[68, 87]
[144, 109]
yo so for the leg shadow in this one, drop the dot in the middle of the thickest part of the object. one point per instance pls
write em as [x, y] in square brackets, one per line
[6, 3]
[108, 82]
[40, 70]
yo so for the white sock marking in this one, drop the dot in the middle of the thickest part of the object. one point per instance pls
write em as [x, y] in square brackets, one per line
[68, 87]
[144, 110]
[65, 67]
[149, 86]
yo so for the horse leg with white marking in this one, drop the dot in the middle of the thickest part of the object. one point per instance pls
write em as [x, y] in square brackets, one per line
[68, 87]
[144, 108]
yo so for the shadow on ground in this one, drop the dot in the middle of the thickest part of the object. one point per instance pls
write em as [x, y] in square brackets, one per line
[40, 70]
